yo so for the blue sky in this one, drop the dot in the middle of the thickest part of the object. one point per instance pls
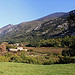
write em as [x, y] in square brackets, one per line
[17, 11]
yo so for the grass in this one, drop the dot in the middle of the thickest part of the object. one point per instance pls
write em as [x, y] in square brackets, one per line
[7, 68]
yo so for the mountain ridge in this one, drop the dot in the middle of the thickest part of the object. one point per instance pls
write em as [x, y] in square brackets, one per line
[37, 29]
[41, 20]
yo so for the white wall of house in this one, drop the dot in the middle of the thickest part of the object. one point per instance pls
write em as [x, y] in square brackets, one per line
[13, 49]
[24, 49]
[20, 48]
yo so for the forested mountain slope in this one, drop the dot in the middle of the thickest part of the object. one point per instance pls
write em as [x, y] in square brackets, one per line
[49, 26]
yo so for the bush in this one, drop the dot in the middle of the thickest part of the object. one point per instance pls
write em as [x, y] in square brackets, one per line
[67, 59]
[30, 50]
[32, 60]
[15, 58]
[72, 59]
[23, 56]
[47, 57]
[8, 55]
[65, 53]
[4, 59]
[51, 61]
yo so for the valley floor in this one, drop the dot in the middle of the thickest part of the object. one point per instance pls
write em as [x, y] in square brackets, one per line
[7, 68]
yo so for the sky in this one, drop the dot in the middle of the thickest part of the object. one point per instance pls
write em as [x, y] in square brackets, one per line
[17, 11]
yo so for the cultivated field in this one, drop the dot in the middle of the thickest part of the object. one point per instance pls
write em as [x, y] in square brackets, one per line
[46, 49]
[7, 68]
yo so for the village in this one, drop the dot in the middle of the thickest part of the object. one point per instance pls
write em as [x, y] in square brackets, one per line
[18, 48]
[5, 47]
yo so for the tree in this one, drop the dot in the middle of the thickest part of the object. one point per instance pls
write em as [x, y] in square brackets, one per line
[71, 19]
[71, 22]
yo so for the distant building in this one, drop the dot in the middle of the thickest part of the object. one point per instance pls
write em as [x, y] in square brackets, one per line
[16, 44]
[13, 49]
[18, 49]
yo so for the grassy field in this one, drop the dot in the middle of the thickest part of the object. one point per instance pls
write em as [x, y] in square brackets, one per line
[7, 68]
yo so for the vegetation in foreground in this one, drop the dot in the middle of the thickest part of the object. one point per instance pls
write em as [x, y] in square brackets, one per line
[7, 68]
[42, 55]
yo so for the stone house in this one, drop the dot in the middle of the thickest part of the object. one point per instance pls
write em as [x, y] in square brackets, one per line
[18, 49]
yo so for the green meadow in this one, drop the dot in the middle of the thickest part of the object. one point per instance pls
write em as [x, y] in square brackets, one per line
[10, 68]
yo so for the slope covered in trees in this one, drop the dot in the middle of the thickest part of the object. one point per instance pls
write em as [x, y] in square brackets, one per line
[34, 31]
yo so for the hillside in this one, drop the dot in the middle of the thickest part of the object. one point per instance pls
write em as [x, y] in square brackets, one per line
[7, 68]
[52, 25]
[29, 25]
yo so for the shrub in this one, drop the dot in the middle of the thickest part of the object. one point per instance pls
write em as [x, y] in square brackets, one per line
[67, 59]
[72, 59]
[15, 58]
[48, 62]
[65, 53]
[51, 61]
[4, 59]
[8, 55]
[30, 50]
[47, 57]
[32, 60]
[23, 56]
